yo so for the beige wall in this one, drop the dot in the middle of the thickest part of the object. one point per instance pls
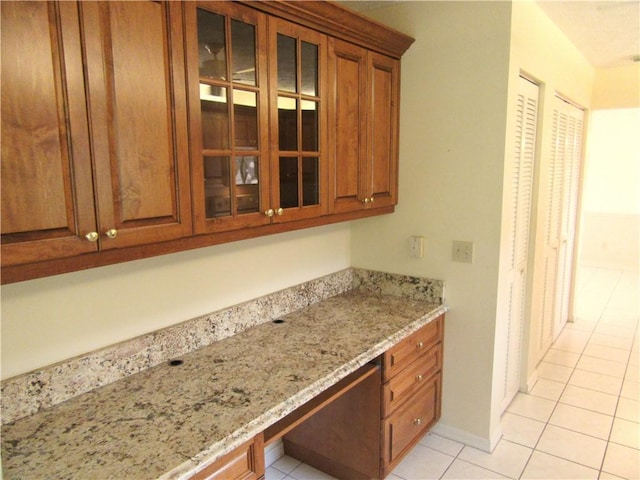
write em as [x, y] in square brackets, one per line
[54, 318]
[453, 115]
[610, 233]
[617, 87]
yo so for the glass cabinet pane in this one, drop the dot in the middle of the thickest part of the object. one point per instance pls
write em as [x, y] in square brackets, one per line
[309, 126]
[211, 45]
[287, 124]
[310, 181]
[245, 119]
[232, 85]
[287, 71]
[217, 186]
[243, 40]
[214, 117]
[309, 60]
[288, 182]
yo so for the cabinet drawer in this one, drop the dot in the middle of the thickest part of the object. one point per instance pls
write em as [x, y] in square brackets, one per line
[411, 379]
[408, 350]
[407, 425]
[244, 463]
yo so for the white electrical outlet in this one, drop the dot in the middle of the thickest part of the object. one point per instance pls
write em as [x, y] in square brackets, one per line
[462, 251]
[416, 246]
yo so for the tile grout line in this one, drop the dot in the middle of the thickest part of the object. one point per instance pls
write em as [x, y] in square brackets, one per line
[635, 336]
[606, 447]
[573, 369]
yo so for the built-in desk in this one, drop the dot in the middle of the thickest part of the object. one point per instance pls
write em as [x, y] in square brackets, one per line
[170, 421]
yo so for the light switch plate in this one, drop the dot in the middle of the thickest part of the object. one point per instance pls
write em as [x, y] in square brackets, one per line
[416, 246]
[462, 251]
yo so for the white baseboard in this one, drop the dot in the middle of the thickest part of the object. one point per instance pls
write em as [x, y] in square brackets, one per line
[273, 452]
[462, 436]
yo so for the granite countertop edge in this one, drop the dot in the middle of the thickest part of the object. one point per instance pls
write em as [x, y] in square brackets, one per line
[259, 424]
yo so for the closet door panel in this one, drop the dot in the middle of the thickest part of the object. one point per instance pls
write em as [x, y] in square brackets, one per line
[521, 187]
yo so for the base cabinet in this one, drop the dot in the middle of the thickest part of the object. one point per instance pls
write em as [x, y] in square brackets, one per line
[366, 432]
[323, 442]
[244, 463]
[408, 424]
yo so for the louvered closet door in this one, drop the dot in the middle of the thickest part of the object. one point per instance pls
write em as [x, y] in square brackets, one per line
[518, 231]
[560, 220]
[552, 229]
[574, 119]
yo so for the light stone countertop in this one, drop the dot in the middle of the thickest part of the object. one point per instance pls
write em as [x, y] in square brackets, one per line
[166, 421]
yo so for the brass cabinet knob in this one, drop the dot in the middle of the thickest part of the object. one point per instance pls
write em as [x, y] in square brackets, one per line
[418, 378]
[279, 211]
[92, 236]
[365, 200]
[417, 421]
[371, 200]
[419, 345]
[111, 233]
[269, 213]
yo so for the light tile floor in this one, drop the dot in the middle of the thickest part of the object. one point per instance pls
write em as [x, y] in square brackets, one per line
[581, 419]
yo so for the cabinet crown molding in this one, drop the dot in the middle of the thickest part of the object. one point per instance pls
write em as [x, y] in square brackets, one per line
[340, 22]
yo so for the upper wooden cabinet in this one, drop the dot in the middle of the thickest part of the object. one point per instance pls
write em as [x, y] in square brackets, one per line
[258, 119]
[47, 195]
[133, 129]
[228, 112]
[298, 106]
[95, 158]
[137, 116]
[363, 127]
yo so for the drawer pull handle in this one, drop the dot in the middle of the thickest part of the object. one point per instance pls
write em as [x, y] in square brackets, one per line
[420, 345]
[418, 378]
[417, 422]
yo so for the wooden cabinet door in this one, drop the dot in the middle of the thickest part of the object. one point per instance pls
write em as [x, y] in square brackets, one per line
[47, 197]
[363, 128]
[228, 112]
[136, 89]
[244, 463]
[381, 181]
[347, 125]
[298, 116]
[410, 422]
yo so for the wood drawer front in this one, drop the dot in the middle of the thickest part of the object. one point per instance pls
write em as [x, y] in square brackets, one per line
[411, 379]
[412, 347]
[244, 463]
[407, 425]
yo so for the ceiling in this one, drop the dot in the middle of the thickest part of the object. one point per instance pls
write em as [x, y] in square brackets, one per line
[607, 32]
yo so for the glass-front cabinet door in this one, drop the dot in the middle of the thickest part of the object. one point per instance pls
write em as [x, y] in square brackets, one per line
[228, 115]
[297, 69]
